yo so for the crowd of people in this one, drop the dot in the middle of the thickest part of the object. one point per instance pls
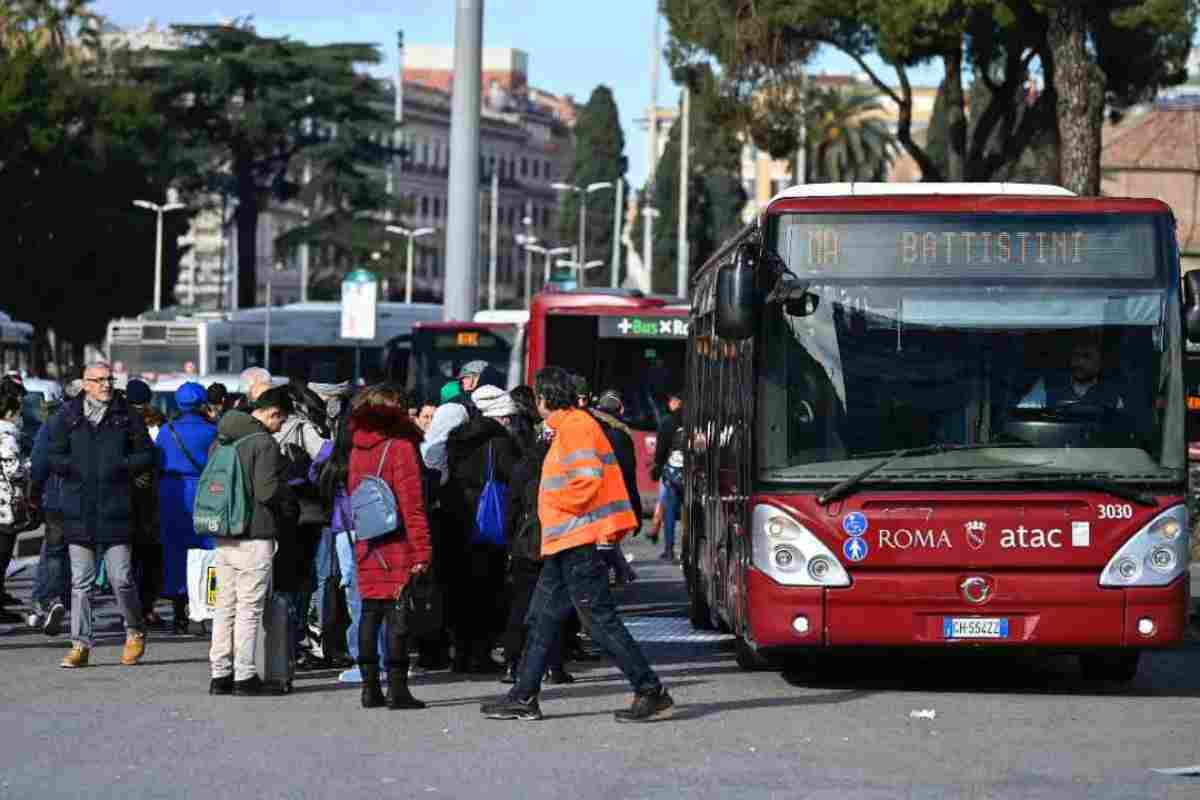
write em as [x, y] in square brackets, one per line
[511, 504]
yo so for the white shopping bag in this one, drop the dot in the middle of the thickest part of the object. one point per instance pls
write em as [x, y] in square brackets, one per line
[202, 584]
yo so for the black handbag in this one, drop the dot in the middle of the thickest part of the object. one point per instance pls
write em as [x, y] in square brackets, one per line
[422, 605]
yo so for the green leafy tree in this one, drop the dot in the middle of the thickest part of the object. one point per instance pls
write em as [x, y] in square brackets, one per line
[715, 193]
[761, 47]
[599, 157]
[247, 109]
[78, 144]
[847, 139]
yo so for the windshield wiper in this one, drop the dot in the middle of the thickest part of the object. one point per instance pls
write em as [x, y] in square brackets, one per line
[847, 486]
[1098, 483]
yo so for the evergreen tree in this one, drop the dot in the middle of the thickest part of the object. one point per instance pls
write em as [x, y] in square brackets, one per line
[599, 157]
[78, 144]
[248, 109]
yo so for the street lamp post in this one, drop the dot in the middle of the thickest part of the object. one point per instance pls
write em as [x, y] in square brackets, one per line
[267, 331]
[527, 242]
[408, 270]
[549, 254]
[159, 210]
[649, 213]
[583, 192]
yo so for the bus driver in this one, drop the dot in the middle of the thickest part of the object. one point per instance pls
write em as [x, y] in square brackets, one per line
[1082, 384]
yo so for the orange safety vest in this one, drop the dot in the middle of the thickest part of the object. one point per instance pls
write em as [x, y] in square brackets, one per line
[582, 498]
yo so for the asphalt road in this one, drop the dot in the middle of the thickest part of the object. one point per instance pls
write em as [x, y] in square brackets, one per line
[1004, 727]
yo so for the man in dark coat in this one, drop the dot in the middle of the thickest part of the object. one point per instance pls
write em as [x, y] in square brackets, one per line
[99, 449]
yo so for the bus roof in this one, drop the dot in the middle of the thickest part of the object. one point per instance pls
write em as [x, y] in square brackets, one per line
[881, 189]
[952, 198]
[507, 316]
[605, 302]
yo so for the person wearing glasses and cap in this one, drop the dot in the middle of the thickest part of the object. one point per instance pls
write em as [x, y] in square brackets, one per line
[97, 449]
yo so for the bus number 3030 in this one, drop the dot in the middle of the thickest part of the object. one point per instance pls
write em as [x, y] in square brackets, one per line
[1115, 511]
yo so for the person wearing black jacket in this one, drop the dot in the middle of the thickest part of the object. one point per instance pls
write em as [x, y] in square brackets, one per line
[477, 578]
[524, 533]
[607, 412]
[669, 496]
[99, 449]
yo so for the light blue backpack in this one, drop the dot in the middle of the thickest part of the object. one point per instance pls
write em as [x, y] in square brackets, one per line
[373, 505]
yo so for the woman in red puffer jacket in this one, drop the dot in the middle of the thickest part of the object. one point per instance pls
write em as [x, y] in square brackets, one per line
[385, 443]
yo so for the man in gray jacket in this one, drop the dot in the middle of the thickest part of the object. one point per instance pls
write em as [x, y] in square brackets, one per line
[244, 564]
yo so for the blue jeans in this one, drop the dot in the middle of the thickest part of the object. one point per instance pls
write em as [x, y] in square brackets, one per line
[345, 556]
[672, 501]
[52, 580]
[578, 578]
[326, 554]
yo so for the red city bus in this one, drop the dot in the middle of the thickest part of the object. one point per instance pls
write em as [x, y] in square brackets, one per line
[940, 416]
[617, 339]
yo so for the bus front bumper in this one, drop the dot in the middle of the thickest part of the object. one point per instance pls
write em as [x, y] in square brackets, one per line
[1053, 610]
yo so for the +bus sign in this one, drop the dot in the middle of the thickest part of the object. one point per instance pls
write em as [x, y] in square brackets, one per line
[643, 328]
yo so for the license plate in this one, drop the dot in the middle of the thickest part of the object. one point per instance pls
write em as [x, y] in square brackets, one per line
[974, 628]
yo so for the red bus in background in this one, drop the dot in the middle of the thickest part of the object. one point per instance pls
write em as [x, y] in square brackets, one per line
[943, 416]
[617, 339]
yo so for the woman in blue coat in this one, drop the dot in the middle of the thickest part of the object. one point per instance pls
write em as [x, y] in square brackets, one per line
[183, 445]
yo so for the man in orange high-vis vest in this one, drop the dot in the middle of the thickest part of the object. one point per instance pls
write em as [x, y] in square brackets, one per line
[582, 502]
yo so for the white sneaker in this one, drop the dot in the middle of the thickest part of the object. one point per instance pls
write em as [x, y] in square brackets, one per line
[351, 675]
[34, 620]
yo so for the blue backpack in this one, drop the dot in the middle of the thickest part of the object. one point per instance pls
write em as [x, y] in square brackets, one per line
[489, 515]
[373, 505]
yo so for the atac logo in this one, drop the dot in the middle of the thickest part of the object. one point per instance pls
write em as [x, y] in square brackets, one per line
[976, 533]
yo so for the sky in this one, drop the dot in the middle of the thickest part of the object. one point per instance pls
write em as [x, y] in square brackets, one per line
[573, 45]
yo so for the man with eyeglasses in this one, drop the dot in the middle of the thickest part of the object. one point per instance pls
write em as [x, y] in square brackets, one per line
[98, 449]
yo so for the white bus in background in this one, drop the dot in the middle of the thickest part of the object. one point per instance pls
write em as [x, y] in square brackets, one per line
[16, 345]
[305, 339]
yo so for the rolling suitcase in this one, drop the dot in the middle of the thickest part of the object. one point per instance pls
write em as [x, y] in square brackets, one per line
[273, 656]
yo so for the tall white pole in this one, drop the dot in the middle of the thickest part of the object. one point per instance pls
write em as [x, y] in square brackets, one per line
[618, 209]
[652, 139]
[408, 272]
[648, 215]
[493, 237]
[158, 263]
[528, 277]
[267, 332]
[582, 234]
[462, 218]
[681, 262]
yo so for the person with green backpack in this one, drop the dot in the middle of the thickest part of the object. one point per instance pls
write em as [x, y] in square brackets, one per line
[244, 502]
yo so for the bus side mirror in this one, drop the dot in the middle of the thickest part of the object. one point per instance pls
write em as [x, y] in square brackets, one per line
[1191, 305]
[736, 298]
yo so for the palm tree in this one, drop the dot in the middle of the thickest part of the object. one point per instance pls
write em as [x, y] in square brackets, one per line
[847, 138]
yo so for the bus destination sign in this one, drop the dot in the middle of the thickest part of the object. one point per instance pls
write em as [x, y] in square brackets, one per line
[1060, 246]
[643, 328]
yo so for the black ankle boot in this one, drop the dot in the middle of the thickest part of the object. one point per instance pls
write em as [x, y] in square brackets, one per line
[398, 696]
[372, 697]
[179, 604]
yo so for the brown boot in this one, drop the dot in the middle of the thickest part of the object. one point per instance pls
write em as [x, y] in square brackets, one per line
[135, 648]
[78, 657]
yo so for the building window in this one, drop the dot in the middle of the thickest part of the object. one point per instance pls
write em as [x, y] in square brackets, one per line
[437, 208]
[536, 165]
[546, 170]
[546, 217]
[424, 206]
[524, 167]
[425, 152]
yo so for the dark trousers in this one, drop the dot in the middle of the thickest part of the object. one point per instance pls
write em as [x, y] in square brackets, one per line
[475, 588]
[578, 578]
[524, 575]
[52, 581]
[8, 543]
[374, 613]
[148, 564]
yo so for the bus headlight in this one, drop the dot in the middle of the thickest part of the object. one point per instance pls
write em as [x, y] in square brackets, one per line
[1154, 556]
[790, 553]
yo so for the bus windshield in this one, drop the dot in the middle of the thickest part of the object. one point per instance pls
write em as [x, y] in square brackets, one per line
[640, 355]
[440, 353]
[1065, 364]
